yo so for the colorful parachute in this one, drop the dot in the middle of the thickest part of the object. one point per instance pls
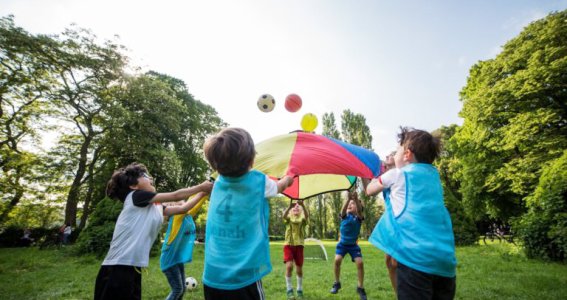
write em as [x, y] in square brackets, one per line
[319, 164]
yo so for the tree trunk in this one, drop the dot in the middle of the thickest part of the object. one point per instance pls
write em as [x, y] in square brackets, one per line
[73, 196]
[15, 199]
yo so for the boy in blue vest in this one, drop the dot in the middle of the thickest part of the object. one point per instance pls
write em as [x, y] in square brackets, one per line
[177, 248]
[237, 250]
[352, 218]
[415, 229]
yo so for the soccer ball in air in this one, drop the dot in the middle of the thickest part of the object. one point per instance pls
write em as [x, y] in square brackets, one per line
[190, 283]
[266, 103]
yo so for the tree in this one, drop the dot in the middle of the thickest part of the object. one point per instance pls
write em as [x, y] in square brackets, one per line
[86, 72]
[515, 116]
[544, 228]
[24, 79]
[449, 168]
[330, 130]
[159, 123]
[153, 120]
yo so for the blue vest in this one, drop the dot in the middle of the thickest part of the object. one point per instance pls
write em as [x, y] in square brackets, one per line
[237, 249]
[178, 243]
[350, 229]
[421, 237]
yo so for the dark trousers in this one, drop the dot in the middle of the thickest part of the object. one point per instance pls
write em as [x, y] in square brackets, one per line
[118, 282]
[254, 291]
[416, 285]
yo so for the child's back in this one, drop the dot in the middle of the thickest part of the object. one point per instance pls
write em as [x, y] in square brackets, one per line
[237, 250]
[237, 232]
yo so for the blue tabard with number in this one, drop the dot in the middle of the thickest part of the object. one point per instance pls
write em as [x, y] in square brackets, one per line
[421, 237]
[180, 249]
[237, 250]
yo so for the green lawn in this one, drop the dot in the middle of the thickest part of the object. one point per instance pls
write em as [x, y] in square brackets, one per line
[484, 272]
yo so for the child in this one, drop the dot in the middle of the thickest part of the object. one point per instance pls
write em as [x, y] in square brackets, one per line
[352, 218]
[67, 233]
[237, 250]
[136, 229]
[293, 246]
[178, 244]
[391, 263]
[415, 230]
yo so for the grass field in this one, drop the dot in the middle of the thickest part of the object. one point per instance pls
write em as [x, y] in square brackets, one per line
[497, 271]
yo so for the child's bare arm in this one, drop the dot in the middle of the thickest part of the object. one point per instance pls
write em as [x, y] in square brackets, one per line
[286, 213]
[343, 210]
[374, 187]
[200, 200]
[284, 183]
[305, 211]
[182, 194]
[185, 207]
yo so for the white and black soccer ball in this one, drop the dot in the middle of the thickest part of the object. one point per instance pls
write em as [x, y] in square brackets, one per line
[190, 283]
[266, 103]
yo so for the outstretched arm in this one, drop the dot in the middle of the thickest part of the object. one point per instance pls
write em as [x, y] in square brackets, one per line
[284, 183]
[373, 187]
[182, 194]
[286, 213]
[305, 211]
[194, 202]
[343, 210]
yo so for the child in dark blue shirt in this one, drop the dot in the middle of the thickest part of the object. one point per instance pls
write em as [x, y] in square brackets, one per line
[351, 216]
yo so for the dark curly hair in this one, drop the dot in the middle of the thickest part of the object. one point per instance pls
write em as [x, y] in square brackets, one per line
[230, 152]
[119, 184]
[424, 146]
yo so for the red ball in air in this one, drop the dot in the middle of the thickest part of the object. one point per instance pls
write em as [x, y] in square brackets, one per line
[292, 102]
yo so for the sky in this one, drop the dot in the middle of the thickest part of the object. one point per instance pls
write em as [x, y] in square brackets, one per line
[398, 63]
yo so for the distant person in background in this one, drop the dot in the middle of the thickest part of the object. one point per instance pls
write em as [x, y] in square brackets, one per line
[26, 239]
[67, 233]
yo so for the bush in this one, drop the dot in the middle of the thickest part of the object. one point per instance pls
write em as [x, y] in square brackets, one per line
[543, 229]
[96, 236]
[12, 236]
[464, 228]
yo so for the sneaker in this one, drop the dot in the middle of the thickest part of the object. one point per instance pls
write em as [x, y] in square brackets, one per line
[361, 293]
[290, 295]
[299, 295]
[336, 287]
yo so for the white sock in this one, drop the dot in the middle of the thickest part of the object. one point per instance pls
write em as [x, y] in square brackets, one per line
[288, 284]
[299, 283]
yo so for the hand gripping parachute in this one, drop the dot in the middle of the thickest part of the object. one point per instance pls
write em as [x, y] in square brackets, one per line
[318, 164]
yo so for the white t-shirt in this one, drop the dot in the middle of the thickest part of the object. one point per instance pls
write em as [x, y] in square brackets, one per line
[271, 189]
[134, 234]
[395, 180]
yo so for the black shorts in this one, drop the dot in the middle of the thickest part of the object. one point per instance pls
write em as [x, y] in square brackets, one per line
[414, 284]
[118, 282]
[254, 291]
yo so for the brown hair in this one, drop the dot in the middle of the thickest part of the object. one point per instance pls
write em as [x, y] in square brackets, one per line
[422, 144]
[119, 184]
[230, 152]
